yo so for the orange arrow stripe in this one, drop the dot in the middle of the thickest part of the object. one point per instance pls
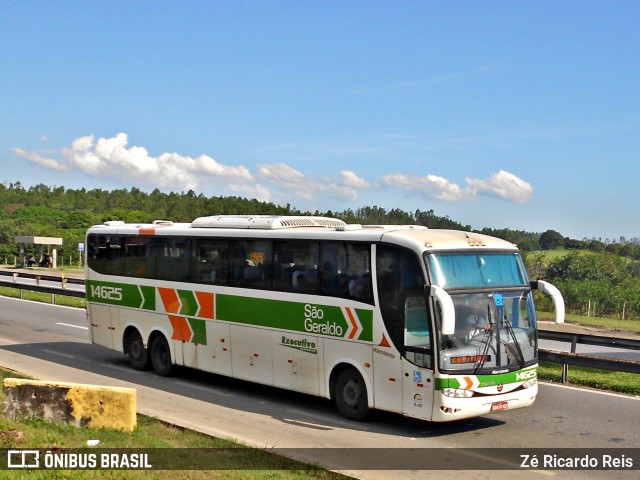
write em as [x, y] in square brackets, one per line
[206, 305]
[352, 335]
[468, 383]
[170, 299]
[181, 330]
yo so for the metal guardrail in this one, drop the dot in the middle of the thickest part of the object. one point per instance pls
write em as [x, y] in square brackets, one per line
[553, 356]
[590, 361]
[586, 339]
[61, 290]
[41, 276]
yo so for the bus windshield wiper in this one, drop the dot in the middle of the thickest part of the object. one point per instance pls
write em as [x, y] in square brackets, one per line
[488, 337]
[516, 346]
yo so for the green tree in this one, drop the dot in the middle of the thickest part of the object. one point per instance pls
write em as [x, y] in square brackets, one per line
[551, 240]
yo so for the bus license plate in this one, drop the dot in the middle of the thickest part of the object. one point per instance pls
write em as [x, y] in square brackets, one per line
[499, 406]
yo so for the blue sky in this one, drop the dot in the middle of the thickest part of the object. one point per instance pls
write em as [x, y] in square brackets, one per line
[521, 115]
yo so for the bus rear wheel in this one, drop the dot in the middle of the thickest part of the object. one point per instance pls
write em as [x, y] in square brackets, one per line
[350, 394]
[161, 356]
[138, 354]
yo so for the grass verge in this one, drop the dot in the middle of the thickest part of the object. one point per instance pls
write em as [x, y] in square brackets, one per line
[621, 382]
[149, 433]
[42, 297]
[613, 324]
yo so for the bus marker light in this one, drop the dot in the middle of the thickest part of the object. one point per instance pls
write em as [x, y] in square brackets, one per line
[367, 365]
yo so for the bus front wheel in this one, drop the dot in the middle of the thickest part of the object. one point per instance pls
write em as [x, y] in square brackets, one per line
[161, 356]
[350, 395]
[138, 354]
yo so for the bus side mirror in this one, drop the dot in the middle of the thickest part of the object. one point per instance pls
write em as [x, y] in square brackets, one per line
[556, 297]
[447, 310]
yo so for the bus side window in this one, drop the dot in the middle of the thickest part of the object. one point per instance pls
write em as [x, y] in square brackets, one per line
[134, 249]
[97, 253]
[211, 262]
[359, 272]
[295, 266]
[346, 271]
[251, 262]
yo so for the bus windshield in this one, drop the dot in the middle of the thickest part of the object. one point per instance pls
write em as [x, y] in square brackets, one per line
[476, 270]
[495, 327]
[494, 331]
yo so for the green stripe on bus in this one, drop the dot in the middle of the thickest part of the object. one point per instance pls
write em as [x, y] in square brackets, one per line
[199, 328]
[488, 380]
[333, 321]
[149, 298]
[298, 317]
[189, 303]
[122, 294]
[366, 318]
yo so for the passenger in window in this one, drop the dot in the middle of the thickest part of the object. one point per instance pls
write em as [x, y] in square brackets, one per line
[360, 287]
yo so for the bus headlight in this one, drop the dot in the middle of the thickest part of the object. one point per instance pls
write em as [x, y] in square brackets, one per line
[530, 383]
[457, 393]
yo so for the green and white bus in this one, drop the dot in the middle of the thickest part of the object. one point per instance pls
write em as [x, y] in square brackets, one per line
[433, 324]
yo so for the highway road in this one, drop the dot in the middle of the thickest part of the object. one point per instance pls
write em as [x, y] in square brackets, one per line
[51, 343]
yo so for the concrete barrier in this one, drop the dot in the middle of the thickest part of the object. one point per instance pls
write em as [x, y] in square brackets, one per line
[81, 405]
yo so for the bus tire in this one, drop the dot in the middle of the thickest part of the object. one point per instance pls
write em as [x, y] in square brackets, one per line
[350, 394]
[138, 354]
[161, 356]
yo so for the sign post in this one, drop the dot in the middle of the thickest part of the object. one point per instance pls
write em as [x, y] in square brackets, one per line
[80, 250]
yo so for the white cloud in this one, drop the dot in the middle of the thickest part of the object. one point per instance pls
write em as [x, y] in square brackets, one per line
[38, 159]
[279, 182]
[350, 179]
[281, 174]
[503, 185]
[111, 157]
[309, 189]
[431, 186]
[257, 191]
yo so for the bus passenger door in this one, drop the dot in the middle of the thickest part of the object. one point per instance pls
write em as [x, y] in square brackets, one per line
[417, 366]
[400, 296]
